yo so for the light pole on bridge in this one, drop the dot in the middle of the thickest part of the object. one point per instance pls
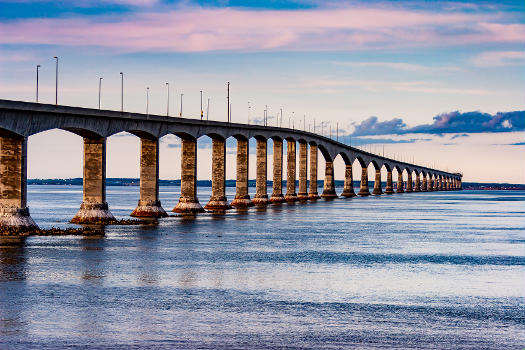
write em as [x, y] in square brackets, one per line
[147, 100]
[56, 81]
[37, 67]
[99, 90]
[168, 100]
[180, 113]
[121, 91]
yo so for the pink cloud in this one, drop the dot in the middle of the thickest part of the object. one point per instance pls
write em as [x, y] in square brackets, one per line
[229, 29]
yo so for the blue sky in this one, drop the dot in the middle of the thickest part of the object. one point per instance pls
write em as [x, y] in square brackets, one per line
[338, 63]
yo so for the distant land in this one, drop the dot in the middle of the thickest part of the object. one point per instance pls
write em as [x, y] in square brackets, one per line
[116, 181]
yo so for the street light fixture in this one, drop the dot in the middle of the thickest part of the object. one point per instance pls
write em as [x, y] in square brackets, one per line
[180, 114]
[168, 101]
[121, 91]
[37, 67]
[56, 81]
[147, 100]
[202, 113]
[99, 90]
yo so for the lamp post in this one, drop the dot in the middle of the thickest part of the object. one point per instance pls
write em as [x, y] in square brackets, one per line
[37, 67]
[99, 90]
[121, 91]
[202, 113]
[147, 100]
[180, 114]
[249, 112]
[208, 109]
[168, 100]
[228, 101]
[56, 81]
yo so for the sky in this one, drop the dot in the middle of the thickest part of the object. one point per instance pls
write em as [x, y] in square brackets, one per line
[440, 84]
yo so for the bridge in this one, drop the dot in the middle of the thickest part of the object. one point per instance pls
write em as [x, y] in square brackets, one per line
[20, 120]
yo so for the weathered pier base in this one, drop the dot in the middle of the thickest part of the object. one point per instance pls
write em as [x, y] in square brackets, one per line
[218, 200]
[425, 184]
[261, 193]
[149, 204]
[389, 189]
[290, 196]
[364, 189]
[302, 194]
[377, 183]
[312, 191]
[400, 182]
[277, 189]
[329, 183]
[348, 187]
[409, 182]
[14, 212]
[94, 208]
[418, 184]
[188, 201]
[242, 198]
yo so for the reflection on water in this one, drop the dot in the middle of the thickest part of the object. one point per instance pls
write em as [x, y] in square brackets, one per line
[414, 271]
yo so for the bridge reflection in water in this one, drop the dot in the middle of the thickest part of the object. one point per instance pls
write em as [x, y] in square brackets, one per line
[19, 120]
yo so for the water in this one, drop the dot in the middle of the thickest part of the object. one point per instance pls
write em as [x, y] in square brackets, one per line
[439, 270]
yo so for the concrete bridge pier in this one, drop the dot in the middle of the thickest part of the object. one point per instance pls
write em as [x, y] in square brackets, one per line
[389, 189]
[436, 183]
[218, 200]
[242, 198]
[425, 184]
[430, 185]
[277, 190]
[377, 183]
[13, 184]
[329, 183]
[409, 182]
[94, 208]
[149, 204]
[303, 171]
[348, 188]
[400, 182]
[261, 194]
[312, 192]
[290, 196]
[364, 190]
[417, 188]
[188, 201]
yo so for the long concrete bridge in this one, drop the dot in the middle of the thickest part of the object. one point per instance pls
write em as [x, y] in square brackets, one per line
[20, 120]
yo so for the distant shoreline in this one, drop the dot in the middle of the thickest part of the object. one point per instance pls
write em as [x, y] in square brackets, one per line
[231, 183]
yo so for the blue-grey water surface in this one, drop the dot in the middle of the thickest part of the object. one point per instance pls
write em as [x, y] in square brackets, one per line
[440, 270]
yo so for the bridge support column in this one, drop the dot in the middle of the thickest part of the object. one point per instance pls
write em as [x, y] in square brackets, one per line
[94, 208]
[409, 182]
[418, 184]
[149, 204]
[303, 171]
[400, 182]
[460, 186]
[242, 198]
[329, 184]
[277, 190]
[13, 185]
[218, 200]
[364, 190]
[188, 201]
[261, 194]
[290, 196]
[389, 189]
[430, 184]
[348, 189]
[425, 184]
[312, 193]
[377, 183]
[436, 184]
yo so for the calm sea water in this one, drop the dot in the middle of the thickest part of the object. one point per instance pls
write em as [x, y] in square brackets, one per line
[438, 270]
